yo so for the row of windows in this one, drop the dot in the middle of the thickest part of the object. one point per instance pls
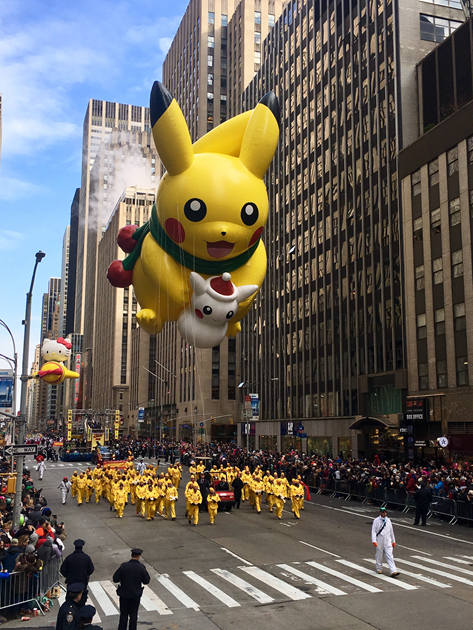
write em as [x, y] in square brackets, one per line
[459, 321]
[437, 269]
[436, 29]
[461, 365]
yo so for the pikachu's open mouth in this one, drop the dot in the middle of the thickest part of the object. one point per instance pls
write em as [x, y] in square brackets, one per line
[219, 249]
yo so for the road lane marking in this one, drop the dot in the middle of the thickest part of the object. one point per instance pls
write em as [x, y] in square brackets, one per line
[102, 599]
[212, 589]
[279, 585]
[243, 585]
[467, 562]
[150, 601]
[111, 590]
[416, 529]
[346, 578]
[319, 549]
[444, 565]
[411, 549]
[323, 586]
[469, 557]
[235, 556]
[450, 576]
[417, 576]
[385, 578]
[177, 592]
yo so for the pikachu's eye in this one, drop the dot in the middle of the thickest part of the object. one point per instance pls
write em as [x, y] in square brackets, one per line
[195, 209]
[249, 213]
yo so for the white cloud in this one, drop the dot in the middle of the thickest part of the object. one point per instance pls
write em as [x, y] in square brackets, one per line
[9, 239]
[165, 44]
[12, 188]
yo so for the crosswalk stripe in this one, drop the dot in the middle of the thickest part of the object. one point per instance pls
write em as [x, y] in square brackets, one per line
[444, 564]
[104, 602]
[111, 589]
[279, 585]
[347, 578]
[417, 576]
[212, 589]
[385, 578]
[468, 562]
[450, 576]
[469, 557]
[326, 588]
[150, 601]
[252, 591]
[177, 592]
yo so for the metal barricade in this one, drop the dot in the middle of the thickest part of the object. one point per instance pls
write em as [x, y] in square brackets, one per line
[22, 587]
[395, 497]
[341, 489]
[464, 511]
[441, 506]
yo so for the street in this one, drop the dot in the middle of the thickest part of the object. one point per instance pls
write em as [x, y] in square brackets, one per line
[251, 570]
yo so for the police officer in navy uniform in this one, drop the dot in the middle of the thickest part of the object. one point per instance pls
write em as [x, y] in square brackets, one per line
[78, 567]
[68, 613]
[86, 614]
[131, 575]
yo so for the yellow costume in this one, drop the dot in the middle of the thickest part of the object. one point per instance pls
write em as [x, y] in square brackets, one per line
[212, 504]
[195, 499]
[296, 492]
[258, 489]
[81, 488]
[171, 498]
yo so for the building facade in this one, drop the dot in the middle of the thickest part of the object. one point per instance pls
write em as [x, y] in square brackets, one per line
[49, 325]
[325, 342]
[437, 199]
[70, 297]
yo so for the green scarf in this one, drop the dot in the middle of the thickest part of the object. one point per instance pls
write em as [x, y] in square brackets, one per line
[206, 267]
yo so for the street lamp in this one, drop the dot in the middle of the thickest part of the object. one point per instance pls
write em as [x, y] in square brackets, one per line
[24, 379]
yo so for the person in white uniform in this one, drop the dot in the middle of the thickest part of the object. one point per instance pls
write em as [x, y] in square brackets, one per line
[382, 537]
[40, 469]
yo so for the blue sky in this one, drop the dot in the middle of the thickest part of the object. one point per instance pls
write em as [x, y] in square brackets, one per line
[54, 56]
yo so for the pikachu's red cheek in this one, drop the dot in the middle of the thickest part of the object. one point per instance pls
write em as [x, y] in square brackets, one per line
[175, 230]
[256, 236]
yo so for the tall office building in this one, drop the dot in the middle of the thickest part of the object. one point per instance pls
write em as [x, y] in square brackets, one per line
[48, 305]
[436, 172]
[324, 345]
[64, 280]
[49, 328]
[213, 56]
[32, 395]
[128, 158]
[116, 310]
[101, 118]
[70, 295]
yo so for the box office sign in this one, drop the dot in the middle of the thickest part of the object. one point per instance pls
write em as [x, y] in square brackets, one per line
[417, 410]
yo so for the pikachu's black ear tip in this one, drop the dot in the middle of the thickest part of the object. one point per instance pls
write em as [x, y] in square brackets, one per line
[272, 103]
[159, 101]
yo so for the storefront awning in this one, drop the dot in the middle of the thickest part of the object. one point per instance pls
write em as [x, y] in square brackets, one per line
[369, 422]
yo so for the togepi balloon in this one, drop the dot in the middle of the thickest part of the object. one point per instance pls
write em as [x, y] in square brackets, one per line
[210, 211]
[55, 353]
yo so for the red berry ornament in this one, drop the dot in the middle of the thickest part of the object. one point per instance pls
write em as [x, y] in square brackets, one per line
[125, 238]
[118, 276]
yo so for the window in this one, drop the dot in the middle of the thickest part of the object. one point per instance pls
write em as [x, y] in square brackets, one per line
[435, 219]
[415, 183]
[224, 19]
[257, 41]
[423, 376]
[434, 172]
[419, 277]
[453, 4]
[454, 211]
[231, 368]
[440, 321]
[257, 17]
[462, 371]
[211, 17]
[216, 373]
[452, 161]
[469, 148]
[437, 268]
[457, 263]
[211, 42]
[417, 225]
[421, 326]
[210, 78]
[442, 374]
[270, 20]
[459, 316]
[257, 60]
[435, 29]
[210, 61]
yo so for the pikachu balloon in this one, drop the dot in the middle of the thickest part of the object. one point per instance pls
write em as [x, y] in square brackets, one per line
[210, 212]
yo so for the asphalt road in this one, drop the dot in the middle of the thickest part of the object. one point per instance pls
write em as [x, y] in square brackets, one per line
[251, 570]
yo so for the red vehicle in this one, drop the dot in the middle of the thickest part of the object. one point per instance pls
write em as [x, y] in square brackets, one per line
[227, 498]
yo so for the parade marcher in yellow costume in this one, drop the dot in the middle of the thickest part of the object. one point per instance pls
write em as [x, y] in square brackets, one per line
[188, 485]
[140, 498]
[280, 495]
[74, 479]
[194, 498]
[151, 503]
[81, 488]
[161, 494]
[212, 504]
[171, 498]
[98, 488]
[89, 487]
[120, 496]
[296, 492]
[258, 488]
[245, 477]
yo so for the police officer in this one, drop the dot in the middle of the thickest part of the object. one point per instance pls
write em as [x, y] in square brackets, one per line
[78, 567]
[131, 575]
[68, 613]
[86, 614]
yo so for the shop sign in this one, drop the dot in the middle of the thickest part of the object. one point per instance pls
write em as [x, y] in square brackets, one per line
[417, 410]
